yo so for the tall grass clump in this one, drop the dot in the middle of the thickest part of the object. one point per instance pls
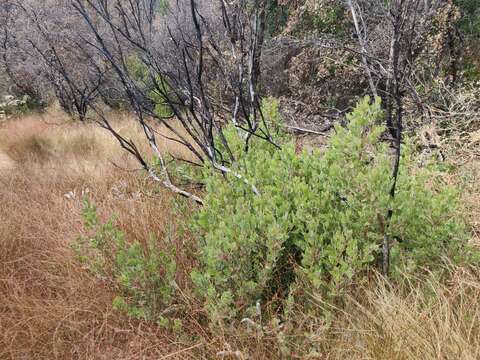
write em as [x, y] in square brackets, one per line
[415, 318]
[51, 305]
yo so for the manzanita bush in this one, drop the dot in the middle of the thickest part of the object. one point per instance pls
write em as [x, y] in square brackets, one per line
[319, 218]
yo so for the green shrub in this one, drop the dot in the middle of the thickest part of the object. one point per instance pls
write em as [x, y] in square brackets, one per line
[277, 18]
[162, 6]
[328, 19]
[143, 275]
[469, 23]
[12, 106]
[149, 85]
[319, 220]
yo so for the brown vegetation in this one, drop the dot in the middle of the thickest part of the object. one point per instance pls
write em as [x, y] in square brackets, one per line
[50, 307]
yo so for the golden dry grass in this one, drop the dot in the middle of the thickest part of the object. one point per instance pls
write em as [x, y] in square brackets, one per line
[417, 320]
[52, 308]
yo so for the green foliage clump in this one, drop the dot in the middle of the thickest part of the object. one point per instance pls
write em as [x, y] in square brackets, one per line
[469, 26]
[328, 19]
[277, 18]
[470, 20]
[19, 106]
[162, 6]
[143, 274]
[319, 220]
[152, 85]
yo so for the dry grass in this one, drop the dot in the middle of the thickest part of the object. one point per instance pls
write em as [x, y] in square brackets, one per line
[418, 320]
[52, 308]
[469, 179]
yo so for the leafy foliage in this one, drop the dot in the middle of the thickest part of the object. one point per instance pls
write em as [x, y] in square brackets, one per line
[151, 86]
[277, 17]
[143, 275]
[470, 21]
[320, 218]
[328, 18]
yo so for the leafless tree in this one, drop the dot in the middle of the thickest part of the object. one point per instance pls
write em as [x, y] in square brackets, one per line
[13, 58]
[201, 48]
[43, 45]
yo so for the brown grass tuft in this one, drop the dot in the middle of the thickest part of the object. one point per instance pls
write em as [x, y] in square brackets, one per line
[416, 320]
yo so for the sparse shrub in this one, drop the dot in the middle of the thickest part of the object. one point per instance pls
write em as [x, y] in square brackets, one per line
[319, 220]
[12, 106]
[143, 275]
